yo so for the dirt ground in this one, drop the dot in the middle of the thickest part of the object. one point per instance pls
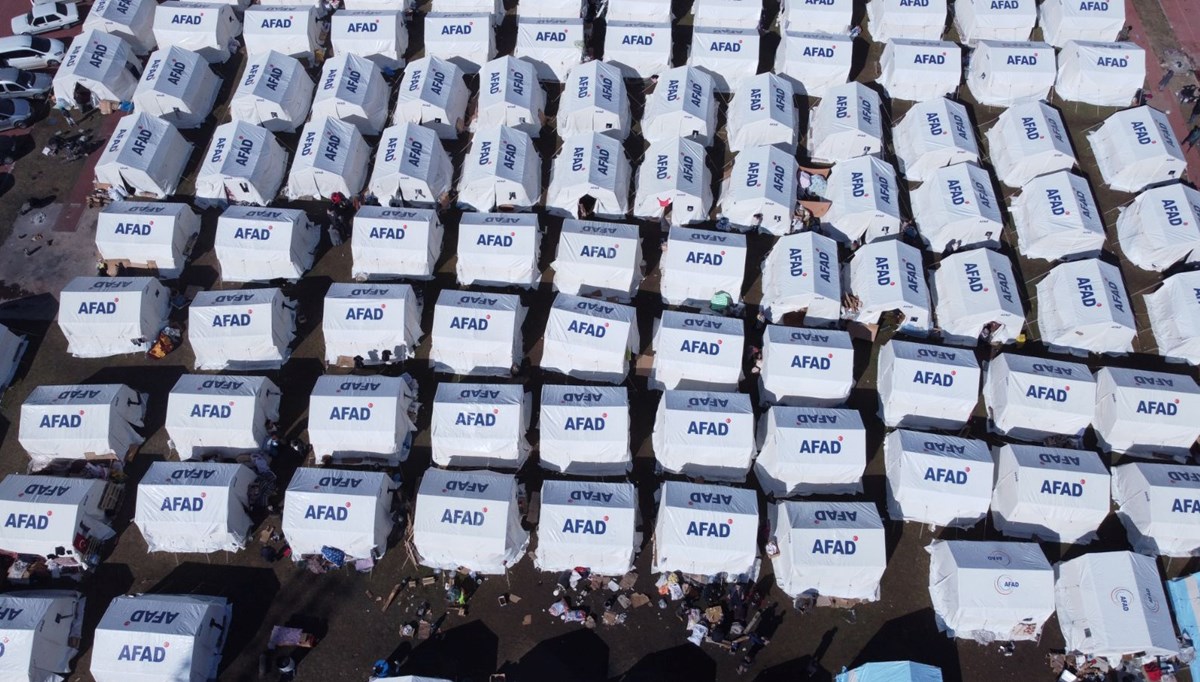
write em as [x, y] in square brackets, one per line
[341, 607]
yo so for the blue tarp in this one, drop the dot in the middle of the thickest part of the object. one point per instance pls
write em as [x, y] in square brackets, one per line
[1184, 594]
[892, 671]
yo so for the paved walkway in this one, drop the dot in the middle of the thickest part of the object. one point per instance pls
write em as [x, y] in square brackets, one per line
[1184, 16]
[1188, 35]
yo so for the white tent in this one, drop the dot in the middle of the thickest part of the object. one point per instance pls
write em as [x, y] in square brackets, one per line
[294, 29]
[1083, 308]
[828, 549]
[958, 206]
[361, 420]
[552, 45]
[480, 425]
[275, 92]
[1002, 74]
[764, 113]
[1158, 504]
[584, 430]
[989, 591]
[341, 509]
[1136, 148]
[132, 20]
[801, 273]
[1103, 74]
[551, 9]
[806, 366]
[589, 339]
[502, 169]
[1055, 217]
[177, 86]
[594, 100]
[683, 105]
[932, 135]
[476, 333]
[918, 70]
[1035, 398]
[498, 249]
[493, 8]
[241, 330]
[389, 243]
[103, 63]
[81, 422]
[154, 235]
[1063, 20]
[810, 450]
[598, 257]
[821, 16]
[702, 434]
[815, 63]
[1028, 140]
[511, 97]
[697, 352]
[925, 386]
[1174, 313]
[332, 158]
[1111, 604]
[244, 164]
[411, 167]
[674, 177]
[352, 89]
[706, 529]
[145, 156]
[434, 94]
[41, 634]
[978, 21]
[102, 317]
[468, 519]
[890, 19]
[973, 290]
[889, 275]
[377, 34]
[221, 417]
[736, 13]
[199, 507]
[760, 191]
[865, 203]
[847, 123]
[261, 244]
[464, 38]
[161, 637]
[12, 347]
[590, 166]
[48, 513]
[1146, 413]
[1161, 227]
[639, 49]
[204, 28]
[938, 480]
[697, 264]
[1049, 494]
[587, 524]
[891, 671]
[368, 321]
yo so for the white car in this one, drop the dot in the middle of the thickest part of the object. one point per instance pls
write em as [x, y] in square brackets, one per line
[31, 52]
[45, 18]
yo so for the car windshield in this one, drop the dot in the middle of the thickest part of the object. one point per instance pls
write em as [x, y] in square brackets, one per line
[25, 79]
[41, 45]
[7, 108]
[61, 8]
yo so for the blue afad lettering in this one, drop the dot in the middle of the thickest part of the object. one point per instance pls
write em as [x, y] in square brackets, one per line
[810, 362]
[939, 475]
[475, 419]
[326, 512]
[933, 378]
[1062, 488]
[462, 517]
[1185, 505]
[231, 320]
[27, 521]
[607, 252]
[457, 30]
[1005, 4]
[61, 421]
[707, 428]
[586, 328]
[211, 411]
[1093, 6]
[705, 529]
[584, 424]
[142, 654]
[1157, 407]
[834, 547]
[494, 240]
[700, 347]
[705, 258]
[364, 313]
[191, 504]
[253, 233]
[585, 527]
[1057, 395]
[478, 324]
[139, 229]
[386, 233]
[346, 413]
[815, 446]
[97, 308]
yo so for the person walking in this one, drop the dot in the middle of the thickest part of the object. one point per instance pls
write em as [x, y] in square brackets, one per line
[1166, 79]
[1192, 138]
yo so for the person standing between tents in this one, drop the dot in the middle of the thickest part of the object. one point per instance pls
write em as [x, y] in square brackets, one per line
[1192, 138]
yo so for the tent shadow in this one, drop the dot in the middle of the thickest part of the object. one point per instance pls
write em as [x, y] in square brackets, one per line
[107, 583]
[912, 637]
[685, 663]
[446, 655]
[580, 655]
[795, 669]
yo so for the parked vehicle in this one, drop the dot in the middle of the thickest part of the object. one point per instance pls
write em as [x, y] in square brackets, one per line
[18, 83]
[15, 113]
[47, 17]
[31, 52]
